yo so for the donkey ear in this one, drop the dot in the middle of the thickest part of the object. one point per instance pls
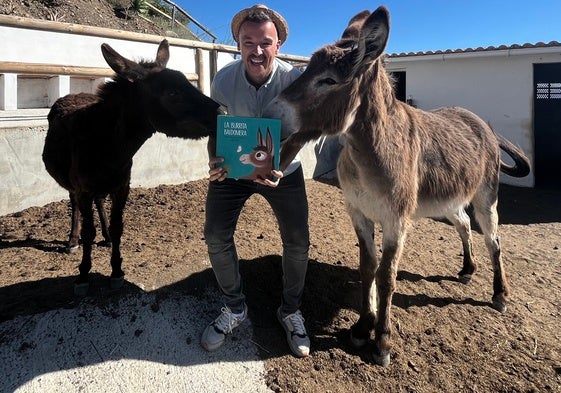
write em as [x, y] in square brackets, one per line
[259, 138]
[269, 141]
[122, 66]
[355, 24]
[373, 37]
[162, 56]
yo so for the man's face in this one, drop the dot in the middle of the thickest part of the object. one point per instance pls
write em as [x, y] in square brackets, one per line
[259, 44]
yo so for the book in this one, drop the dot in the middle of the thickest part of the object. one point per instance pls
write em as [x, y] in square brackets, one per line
[249, 145]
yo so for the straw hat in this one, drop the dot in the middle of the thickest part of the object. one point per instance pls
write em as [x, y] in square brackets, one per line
[278, 20]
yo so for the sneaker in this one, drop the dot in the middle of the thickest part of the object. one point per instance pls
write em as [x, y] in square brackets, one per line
[214, 335]
[296, 335]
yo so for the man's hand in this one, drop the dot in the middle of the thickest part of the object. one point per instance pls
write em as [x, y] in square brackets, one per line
[216, 173]
[266, 182]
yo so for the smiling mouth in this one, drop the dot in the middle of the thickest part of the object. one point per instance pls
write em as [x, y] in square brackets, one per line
[257, 60]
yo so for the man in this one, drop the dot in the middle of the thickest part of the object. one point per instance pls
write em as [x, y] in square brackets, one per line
[244, 88]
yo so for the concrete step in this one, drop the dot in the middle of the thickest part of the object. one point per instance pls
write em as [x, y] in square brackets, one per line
[33, 117]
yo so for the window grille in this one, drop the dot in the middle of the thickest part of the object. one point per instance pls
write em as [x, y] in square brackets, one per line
[548, 90]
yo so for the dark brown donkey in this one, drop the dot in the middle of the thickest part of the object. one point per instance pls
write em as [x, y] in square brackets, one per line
[92, 139]
[399, 163]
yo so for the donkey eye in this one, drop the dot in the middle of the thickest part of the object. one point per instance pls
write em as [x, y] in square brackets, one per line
[327, 81]
[260, 156]
[172, 92]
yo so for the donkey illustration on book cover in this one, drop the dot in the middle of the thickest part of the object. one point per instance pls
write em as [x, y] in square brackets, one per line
[262, 157]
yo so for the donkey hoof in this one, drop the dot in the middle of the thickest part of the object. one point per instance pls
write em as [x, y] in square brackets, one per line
[499, 305]
[464, 278]
[381, 360]
[357, 342]
[81, 289]
[116, 282]
[72, 249]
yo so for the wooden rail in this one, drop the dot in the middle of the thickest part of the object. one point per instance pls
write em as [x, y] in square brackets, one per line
[58, 69]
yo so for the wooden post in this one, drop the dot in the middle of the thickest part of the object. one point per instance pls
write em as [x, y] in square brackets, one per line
[213, 64]
[201, 69]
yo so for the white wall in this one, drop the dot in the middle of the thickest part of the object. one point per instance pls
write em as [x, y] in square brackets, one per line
[497, 86]
[50, 47]
[24, 182]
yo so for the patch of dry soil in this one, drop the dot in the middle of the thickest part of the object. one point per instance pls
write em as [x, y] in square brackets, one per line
[447, 337]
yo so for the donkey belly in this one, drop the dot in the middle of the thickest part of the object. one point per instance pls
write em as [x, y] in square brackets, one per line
[367, 200]
[370, 205]
[368, 193]
[439, 208]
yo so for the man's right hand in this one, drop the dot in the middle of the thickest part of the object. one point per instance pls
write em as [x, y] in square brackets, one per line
[216, 173]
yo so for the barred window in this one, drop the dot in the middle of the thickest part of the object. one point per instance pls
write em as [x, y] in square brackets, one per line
[548, 90]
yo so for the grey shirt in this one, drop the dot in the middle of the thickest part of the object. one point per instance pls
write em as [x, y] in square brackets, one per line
[231, 89]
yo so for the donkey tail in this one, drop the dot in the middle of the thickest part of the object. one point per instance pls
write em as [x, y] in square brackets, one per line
[521, 165]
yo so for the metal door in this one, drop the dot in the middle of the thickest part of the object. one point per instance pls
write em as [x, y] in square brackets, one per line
[547, 125]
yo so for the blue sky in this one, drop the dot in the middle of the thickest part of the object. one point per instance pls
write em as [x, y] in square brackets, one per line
[415, 25]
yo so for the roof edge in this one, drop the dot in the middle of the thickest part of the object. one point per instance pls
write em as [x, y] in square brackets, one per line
[551, 44]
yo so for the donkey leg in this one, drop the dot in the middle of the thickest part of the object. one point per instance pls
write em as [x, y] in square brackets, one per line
[364, 228]
[392, 247]
[119, 200]
[74, 238]
[488, 219]
[99, 204]
[461, 221]
[85, 202]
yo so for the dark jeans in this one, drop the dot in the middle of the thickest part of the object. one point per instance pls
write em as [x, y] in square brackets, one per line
[288, 200]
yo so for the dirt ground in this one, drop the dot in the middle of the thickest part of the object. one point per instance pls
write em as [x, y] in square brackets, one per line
[447, 337]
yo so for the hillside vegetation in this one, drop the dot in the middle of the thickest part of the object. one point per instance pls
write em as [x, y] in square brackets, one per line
[130, 15]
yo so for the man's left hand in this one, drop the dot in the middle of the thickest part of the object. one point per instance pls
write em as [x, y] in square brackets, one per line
[271, 183]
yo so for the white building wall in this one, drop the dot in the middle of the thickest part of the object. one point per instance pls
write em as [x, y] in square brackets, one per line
[497, 86]
[33, 92]
[85, 85]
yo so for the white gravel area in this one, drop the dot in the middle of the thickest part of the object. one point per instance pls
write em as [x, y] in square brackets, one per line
[134, 344]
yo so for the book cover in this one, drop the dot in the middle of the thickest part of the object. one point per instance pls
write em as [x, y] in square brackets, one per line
[249, 145]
